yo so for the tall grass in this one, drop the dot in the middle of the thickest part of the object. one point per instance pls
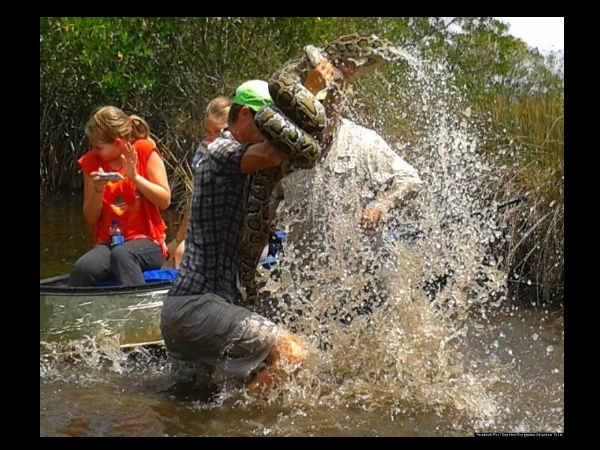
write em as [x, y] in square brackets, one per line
[528, 143]
[523, 138]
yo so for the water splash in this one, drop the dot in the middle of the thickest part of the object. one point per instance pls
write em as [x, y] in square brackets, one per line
[391, 324]
[384, 316]
[88, 360]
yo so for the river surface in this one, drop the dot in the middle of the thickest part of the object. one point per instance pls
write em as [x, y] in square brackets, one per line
[512, 364]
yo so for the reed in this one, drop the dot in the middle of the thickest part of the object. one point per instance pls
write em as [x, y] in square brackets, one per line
[523, 138]
[528, 143]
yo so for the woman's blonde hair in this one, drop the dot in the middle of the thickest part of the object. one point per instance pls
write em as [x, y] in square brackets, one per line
[109, 122]
[219, 108]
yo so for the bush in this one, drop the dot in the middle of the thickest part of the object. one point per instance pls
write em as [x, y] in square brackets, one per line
[167, 69]
[164, 69]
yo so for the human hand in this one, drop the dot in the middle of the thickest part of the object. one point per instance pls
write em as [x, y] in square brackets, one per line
[319, 77]
[129, 159]
[370, 217]
[171, 249]
[98, 183]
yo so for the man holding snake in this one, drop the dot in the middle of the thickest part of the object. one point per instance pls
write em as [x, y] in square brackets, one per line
[202, 320]
[354, 151]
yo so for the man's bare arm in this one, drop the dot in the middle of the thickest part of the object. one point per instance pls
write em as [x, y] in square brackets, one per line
[261, 156]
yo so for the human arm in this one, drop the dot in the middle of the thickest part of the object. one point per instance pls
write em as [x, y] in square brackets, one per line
[391, 176]
[180, 236]
[373, 212]
[93, 189]
[261, 156]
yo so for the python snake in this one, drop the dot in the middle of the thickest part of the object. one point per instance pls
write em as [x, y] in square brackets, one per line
[297, 124]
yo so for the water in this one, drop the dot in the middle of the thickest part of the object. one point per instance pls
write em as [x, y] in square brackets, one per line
[63, 235]
[442, 351]
[512, 377]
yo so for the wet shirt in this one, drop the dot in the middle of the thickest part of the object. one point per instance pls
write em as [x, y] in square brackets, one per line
[358, 155]
[362, 151]
[219, 200]
[359, 166]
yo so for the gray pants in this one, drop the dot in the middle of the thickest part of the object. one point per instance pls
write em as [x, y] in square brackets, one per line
[208, 330]
[124, 262]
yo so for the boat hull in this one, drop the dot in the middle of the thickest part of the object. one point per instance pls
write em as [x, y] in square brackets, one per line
[130, 313]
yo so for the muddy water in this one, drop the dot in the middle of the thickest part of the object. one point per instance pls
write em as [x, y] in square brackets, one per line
[504, 372]
[513, 370]
[407, 337]
[63, 236]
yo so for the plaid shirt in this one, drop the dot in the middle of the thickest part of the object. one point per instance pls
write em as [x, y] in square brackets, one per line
[200, 152]
[210, 262]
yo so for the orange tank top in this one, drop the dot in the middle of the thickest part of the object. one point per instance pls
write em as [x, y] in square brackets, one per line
[138, 217]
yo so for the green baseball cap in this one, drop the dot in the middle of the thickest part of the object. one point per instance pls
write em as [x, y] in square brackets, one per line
[254, 94]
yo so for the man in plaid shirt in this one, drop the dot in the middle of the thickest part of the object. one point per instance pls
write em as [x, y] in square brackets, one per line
[201, 320]
[210, 263]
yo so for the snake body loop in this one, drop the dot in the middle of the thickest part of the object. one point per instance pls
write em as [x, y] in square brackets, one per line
[297, 124]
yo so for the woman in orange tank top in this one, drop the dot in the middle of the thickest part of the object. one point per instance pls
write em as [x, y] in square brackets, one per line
[121, 143]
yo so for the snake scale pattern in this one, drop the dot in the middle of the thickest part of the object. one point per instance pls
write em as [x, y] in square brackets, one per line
[297, 124]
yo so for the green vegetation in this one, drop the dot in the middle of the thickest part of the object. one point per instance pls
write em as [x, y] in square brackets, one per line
[533, 128]
[167, 69]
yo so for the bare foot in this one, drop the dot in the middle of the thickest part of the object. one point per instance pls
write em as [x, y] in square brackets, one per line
[290, 351]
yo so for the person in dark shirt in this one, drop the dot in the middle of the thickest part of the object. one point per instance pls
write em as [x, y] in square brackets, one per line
[217, 112]
[202, 319]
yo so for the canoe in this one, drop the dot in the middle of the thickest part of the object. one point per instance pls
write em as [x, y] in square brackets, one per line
[130, 312]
